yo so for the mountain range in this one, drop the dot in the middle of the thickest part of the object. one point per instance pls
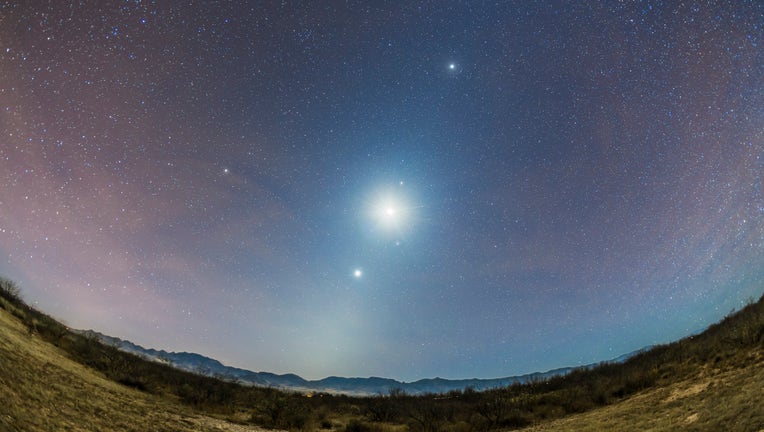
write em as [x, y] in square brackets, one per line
[199, 364]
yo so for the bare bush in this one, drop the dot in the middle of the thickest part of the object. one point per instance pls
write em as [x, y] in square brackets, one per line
[9, 290]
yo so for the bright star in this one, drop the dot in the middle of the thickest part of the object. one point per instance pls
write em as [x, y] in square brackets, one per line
[452, 66]
[391, 211]
[357, 273]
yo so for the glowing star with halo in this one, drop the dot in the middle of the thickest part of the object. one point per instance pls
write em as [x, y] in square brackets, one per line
[391, 210]
[389, 213]
[357, 273]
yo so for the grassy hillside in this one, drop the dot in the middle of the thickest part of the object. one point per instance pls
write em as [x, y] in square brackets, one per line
[44, 390]
[53, 379]
[712, 400]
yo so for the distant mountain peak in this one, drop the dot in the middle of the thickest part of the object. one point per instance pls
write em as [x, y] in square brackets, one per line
[199, 364]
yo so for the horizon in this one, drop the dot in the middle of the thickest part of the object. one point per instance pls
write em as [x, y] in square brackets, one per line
[162, 350]
[395, 190]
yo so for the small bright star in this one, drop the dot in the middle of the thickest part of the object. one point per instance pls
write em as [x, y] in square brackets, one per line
[225, 171]
[357, 273]
[452, 66]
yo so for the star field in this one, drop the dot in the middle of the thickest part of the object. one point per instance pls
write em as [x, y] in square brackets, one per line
[406, 190]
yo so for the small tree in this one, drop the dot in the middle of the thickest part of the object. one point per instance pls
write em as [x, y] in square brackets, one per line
[427, 415]
[494, 408]
[385, 408]
[10, 290]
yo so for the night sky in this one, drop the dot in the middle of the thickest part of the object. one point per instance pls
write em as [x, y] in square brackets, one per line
[398, 189]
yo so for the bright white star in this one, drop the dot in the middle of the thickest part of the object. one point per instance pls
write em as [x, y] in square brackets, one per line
[357, 273]
[389, 213]
[391, 210]
[452, 66]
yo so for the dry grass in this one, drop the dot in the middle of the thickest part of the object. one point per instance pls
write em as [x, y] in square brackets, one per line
[43, 390]
[715, 400]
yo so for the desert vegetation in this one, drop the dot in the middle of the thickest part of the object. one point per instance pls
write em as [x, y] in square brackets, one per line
[735, 343]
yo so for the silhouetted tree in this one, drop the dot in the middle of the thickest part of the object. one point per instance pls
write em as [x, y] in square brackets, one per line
[10, 290]
[427, 415]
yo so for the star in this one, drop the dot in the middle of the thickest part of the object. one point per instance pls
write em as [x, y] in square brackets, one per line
[391, 210]
[389, 213]
[357, 273]
[452, 66]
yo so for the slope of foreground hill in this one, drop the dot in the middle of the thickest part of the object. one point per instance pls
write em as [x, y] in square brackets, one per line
[713, 400]
[41, 389]
[52, 379]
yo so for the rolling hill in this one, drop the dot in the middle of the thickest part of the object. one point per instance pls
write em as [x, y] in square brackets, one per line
[43, 389]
